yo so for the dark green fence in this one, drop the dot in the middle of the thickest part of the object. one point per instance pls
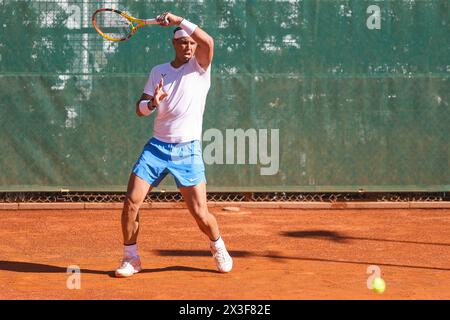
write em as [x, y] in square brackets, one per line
[330, 95]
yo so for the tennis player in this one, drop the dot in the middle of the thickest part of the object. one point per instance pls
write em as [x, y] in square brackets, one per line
[177, 92]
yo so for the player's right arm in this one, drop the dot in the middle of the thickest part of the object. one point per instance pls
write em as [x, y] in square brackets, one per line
[147, 104]
[144, 97]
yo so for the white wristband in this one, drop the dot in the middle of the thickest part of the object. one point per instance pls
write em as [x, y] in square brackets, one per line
[144, 109]
[188, 26]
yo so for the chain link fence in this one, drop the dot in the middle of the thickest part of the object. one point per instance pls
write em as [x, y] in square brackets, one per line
[175, 197]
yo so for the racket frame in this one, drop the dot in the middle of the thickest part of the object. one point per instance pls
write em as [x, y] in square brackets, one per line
[139, 24]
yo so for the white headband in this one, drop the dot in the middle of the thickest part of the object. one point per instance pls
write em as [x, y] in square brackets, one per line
[180, 34]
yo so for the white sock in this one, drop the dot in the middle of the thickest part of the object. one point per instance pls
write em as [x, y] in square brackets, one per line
[130, 251]
[218, 244]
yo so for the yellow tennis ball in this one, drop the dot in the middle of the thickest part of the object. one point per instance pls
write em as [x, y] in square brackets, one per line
[378, 285]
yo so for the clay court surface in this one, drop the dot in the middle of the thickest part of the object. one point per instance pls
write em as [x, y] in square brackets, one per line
[278, 254]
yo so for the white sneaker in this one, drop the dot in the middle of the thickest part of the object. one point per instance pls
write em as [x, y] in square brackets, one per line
[129, 267]
[224, 262]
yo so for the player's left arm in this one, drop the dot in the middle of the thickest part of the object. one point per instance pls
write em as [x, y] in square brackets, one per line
[205, 48]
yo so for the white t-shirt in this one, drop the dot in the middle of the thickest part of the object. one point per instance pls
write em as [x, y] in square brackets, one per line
[180, 115]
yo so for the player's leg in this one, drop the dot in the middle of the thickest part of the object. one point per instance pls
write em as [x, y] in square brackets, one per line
[195, 198]
[136, 193]
[196, 202]
[148, 172]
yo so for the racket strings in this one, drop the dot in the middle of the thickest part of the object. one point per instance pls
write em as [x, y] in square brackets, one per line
[113, 25]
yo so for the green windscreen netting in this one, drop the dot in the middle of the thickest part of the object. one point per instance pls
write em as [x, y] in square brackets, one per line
[311, 95]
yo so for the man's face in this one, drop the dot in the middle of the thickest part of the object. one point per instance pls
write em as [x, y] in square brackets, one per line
[184, 48]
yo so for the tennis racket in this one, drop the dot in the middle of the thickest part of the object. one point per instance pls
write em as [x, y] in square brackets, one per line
[116, 26]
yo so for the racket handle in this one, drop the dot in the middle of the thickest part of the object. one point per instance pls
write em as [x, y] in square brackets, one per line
[151, 22]
[155, 21]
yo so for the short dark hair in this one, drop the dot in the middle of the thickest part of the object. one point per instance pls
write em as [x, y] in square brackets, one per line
[177, 29]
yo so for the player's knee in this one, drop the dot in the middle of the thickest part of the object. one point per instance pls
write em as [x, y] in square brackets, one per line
[130, 206]
[202, 215]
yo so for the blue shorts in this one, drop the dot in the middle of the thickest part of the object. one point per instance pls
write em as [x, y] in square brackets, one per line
[183, 160]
